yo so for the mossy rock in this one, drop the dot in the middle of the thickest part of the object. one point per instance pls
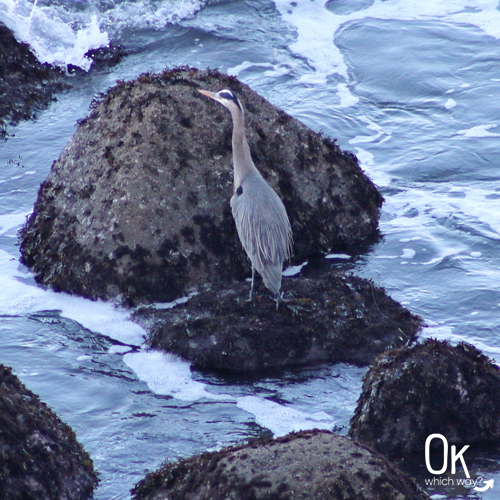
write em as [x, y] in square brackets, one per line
[137, 205]
[40, 457]
[431, 388]
[336, 318]
[309, 465]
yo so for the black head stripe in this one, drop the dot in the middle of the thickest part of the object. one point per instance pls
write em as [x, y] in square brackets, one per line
[227, 94]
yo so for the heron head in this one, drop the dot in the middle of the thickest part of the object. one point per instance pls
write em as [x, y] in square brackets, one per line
[226, 97]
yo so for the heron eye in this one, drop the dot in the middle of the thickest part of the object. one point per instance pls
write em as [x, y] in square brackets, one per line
[227, 95]
[239, 191]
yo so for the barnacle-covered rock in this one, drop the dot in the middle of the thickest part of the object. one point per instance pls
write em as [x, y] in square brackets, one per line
[40, 457]
[137, 205]
[311, 465]
[336, 318]
[431, 388]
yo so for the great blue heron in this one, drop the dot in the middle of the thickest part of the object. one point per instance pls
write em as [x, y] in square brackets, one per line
[260, 216]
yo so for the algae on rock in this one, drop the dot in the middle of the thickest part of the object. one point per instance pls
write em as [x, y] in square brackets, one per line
[137, 205]
[40, 457]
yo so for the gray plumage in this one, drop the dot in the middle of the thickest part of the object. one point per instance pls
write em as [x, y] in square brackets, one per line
[260, 216]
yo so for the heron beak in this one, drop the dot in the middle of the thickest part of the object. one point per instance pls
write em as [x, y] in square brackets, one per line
[212, 95]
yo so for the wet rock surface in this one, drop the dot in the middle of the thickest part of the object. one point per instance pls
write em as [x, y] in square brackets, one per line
[102, 58]
[335, 318]
[308, 465]
[137, 205]
[26, 85]
[433, 387]
[40, 457]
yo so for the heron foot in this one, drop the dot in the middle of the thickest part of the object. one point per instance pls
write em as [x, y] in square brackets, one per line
[288, 303]
[295, 309]
[280, 298]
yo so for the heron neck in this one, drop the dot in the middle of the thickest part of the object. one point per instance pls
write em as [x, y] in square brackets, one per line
[242, 160]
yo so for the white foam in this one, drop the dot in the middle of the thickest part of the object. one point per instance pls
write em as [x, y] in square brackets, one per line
[315, 38]
[367, 163]
[472, 208]
[119, 349]
[450, 104]
[245, 66]
[346, 98]
[12, 221]
[479, 131]
[337, 256]
[176, 302]
[278, 71]
[370, 125]
[408, 253]
[147, 14]
[281, 420]
[20, 297]
[164, 374]
[61, 34]
[167, 374]
[50, 32]
[294, 270]
[316, 27]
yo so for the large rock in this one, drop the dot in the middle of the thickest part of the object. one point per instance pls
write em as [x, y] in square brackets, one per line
[410, 393]
[312, 465]
[26, 85]
[137, 205]
[40, 457]
[335, 318]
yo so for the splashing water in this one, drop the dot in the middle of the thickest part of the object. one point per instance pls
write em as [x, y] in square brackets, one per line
[61, 33]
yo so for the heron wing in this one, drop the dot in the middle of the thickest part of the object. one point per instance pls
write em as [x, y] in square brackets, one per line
[263, 227]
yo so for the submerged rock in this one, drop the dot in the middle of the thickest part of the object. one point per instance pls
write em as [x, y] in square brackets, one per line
[336, 318]
[26, 85]
[433, 387]
[310, 465]
[137, 205]
[102, 58]
[40, 457]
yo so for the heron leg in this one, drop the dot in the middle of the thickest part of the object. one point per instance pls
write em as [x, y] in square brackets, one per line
[251, 286]
[279, 298]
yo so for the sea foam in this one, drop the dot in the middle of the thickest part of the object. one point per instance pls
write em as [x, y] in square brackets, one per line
[61, 33]
[316, 27]
[164, 373]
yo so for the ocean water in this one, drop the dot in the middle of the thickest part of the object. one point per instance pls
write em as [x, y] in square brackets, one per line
[413, 89]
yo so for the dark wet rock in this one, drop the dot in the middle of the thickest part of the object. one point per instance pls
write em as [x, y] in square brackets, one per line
[26, 85]
[336, 318]
[102, 58]
[137, 205]
[40, 458]
[309, 465]
[433, 387]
